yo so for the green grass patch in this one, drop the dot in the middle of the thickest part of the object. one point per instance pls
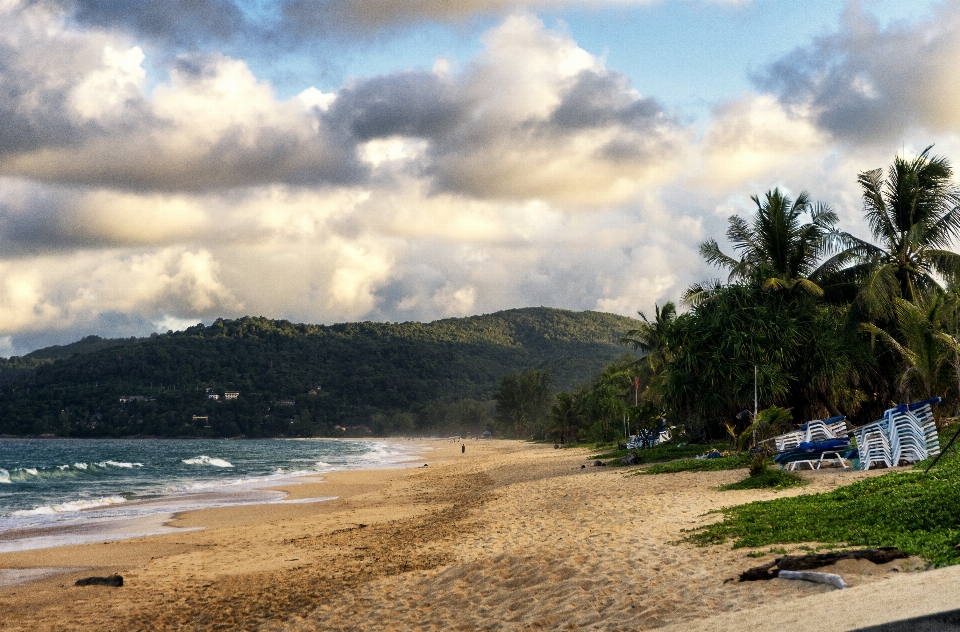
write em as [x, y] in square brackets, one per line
[768, 479]
[913, 511]
[663, 452]
[615, 454]
[699, 465]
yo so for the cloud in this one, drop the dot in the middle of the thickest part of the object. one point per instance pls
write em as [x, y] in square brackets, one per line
[57, 292]
[77, 110]
[867, 84]
[755, 138]
[532, 117]
[533, 174]
[326, 16]
[191, 23]
[186, 22]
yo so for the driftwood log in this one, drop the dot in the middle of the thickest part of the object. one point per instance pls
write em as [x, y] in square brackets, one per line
[808, 562]
[112, 580]
[829, 579]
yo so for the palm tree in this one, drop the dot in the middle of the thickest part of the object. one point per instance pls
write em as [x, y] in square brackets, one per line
[913, 214]
[653, 338]
[778, 252]
[567, 414]
[926, 353]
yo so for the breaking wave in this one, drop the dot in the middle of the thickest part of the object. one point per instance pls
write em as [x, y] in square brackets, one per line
[206, 460]
[76, 505]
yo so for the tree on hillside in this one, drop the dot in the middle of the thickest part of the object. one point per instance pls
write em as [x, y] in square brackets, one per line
[567, 415]
[523, 402]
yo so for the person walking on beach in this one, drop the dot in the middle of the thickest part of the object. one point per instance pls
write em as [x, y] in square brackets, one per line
[463, 448]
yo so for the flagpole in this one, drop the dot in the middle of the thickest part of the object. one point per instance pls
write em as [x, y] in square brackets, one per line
[754, 405]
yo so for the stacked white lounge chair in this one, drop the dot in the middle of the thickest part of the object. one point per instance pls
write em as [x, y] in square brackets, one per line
[816, 430]
[906, 434]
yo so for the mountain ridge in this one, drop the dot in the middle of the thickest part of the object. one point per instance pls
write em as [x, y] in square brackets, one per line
[360, 373]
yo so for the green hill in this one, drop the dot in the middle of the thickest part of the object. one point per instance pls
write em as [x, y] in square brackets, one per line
[80, 347]
[299, 380]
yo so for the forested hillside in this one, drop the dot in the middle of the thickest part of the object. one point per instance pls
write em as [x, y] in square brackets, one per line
[300, 380]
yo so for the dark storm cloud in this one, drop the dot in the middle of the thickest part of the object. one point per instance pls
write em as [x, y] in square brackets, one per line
[870, 84]
[598, 99]
[184, 22]
[29, 226]
[413, 104]
[190, 24]
[474, 148]
[31, 108]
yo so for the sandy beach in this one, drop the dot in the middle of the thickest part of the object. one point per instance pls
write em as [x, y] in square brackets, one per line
[509, 535]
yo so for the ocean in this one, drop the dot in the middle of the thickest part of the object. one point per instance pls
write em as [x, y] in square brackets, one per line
[67, 491]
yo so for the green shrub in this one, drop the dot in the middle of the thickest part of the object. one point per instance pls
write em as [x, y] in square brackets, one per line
[766, 478]
[699, 465]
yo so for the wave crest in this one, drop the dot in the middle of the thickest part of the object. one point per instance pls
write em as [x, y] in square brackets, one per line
[76, 505]
[206, 460]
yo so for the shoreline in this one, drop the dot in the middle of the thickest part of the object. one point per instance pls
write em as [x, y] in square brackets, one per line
[510, 534]
[121, 514]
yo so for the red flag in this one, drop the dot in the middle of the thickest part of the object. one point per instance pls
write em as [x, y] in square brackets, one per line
[636, 383]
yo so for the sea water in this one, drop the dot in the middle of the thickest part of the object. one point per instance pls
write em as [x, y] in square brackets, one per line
[64, 491]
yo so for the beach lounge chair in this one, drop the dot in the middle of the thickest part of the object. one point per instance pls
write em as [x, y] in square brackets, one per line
[816, 442]
[813, 454]
[838, 426]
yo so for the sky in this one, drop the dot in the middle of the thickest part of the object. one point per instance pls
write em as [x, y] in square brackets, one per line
[323, 161]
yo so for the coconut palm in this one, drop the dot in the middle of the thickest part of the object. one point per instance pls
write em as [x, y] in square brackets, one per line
[653, 338]
[778, 252]
[925, 352]
[567, 414]
[914, 216]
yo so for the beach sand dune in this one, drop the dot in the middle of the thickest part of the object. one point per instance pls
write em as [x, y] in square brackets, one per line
[509, 535]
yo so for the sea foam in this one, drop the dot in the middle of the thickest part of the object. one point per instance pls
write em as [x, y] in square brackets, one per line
[76, 505]
[122, 464]
[206, 460]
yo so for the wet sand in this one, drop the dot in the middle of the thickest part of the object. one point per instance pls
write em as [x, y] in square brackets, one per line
[509, 535]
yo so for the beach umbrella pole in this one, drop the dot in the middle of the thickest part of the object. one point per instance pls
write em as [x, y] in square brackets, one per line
[944, 451]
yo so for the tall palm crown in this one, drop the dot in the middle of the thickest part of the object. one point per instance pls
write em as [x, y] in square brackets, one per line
[913, 214]
[777, 252]
[652, 335]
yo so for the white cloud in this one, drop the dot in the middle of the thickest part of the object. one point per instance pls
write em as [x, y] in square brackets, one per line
[7, 347]
[172, 323]
[110, 87]
[454, 301]
[756, 138]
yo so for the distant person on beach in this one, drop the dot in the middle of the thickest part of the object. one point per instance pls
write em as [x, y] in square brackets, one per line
[463, 448]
